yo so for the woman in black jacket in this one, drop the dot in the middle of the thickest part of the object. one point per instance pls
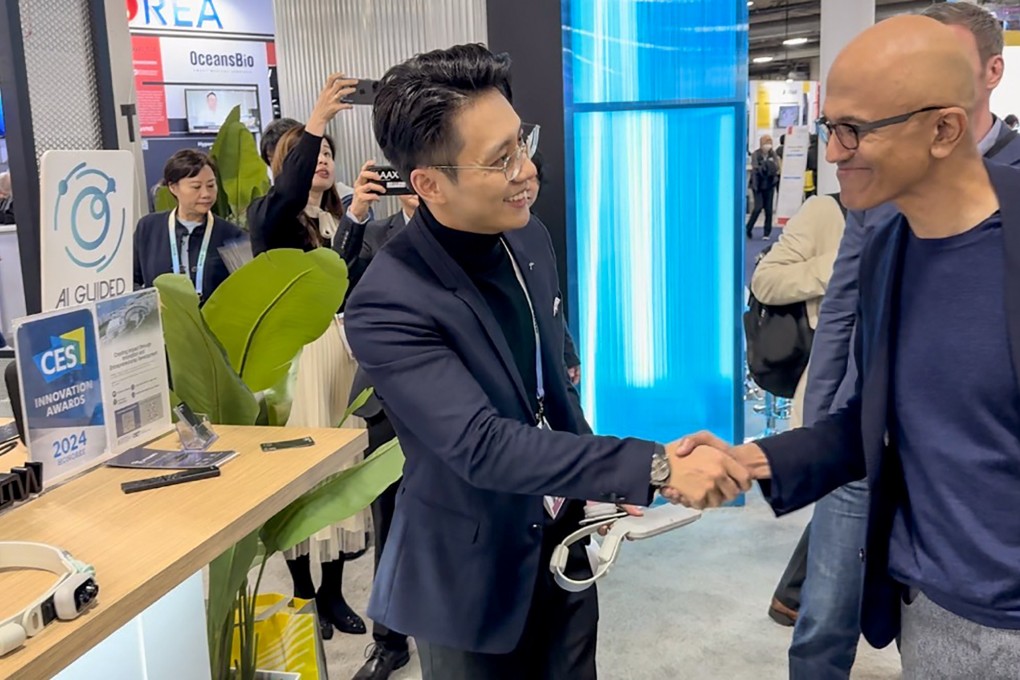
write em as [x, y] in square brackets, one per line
[303, 210]
[187, 239]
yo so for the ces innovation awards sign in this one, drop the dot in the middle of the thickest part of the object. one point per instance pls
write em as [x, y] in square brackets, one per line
[87, 221]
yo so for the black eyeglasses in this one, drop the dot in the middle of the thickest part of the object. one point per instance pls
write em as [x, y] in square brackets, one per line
[849, 134]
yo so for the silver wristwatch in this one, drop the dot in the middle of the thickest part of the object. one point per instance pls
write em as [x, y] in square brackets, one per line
[660, 467]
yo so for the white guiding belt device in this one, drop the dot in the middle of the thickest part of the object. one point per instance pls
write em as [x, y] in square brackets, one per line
[74, 591]
[655, 521]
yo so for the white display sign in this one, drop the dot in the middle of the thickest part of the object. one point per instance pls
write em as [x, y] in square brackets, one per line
[93, 382]
[87, 220]
[237, 17]
[791, 181]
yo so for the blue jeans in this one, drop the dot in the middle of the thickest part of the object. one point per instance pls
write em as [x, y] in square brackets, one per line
[829, 621]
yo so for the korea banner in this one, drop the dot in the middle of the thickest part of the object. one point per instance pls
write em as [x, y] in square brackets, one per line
[87, 221]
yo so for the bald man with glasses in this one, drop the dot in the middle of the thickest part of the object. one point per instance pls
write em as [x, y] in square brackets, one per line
[828, 621]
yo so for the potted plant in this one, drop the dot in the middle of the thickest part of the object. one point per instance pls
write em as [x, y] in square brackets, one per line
[230, 359]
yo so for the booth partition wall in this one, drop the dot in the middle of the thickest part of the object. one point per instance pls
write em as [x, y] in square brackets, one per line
[655, 99]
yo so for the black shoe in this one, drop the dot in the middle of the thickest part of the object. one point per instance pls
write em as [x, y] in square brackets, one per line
[325, 627]
[340, 614]
[381, 663]
[781, 614]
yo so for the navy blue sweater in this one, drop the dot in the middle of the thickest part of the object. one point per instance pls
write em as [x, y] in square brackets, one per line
[957, 414]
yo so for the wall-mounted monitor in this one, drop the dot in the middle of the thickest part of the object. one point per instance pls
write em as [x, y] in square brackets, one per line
[208, 107]
[788, 115]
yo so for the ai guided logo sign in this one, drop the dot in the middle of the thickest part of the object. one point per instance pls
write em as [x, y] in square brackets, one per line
[88, 200]
[84, 207]
[66, 354]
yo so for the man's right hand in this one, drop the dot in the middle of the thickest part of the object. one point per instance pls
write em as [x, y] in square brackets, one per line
[367, 191]
[703, 477]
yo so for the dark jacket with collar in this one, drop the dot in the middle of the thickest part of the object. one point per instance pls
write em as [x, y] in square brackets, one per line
[360, 242]
[465, 545]
[152, 251]
[853, 443]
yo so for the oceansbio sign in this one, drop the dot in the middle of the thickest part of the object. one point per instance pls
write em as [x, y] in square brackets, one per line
[235, 60]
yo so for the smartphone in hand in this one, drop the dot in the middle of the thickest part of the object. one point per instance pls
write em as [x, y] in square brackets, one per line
[364, 93]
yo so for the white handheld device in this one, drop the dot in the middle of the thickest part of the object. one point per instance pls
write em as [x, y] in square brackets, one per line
[655, 521]
[74, 592]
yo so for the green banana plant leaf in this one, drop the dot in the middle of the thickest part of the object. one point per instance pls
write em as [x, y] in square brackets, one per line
[221, 208]
[270, 308]
[336, 499]
[199, 369]
[242, 170]
[164, 200]
[279, 399]
[358, 402]
[227, 574]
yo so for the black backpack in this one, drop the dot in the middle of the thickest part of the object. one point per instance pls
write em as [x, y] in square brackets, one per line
[778, 341]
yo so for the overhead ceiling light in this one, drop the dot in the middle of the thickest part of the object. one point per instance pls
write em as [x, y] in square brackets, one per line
[762, 60]
[795, 41]
[750, 3]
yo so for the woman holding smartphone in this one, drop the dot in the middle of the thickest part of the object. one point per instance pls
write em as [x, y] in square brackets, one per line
[303, 210]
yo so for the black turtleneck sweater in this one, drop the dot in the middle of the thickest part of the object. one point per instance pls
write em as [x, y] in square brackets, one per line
[485, 260]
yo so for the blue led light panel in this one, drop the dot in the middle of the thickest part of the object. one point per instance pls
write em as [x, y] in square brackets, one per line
[655, 50]
[656, 271]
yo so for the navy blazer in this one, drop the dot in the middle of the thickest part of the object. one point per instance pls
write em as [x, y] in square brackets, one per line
[833, 374]
[463, 554]
[152, 251]
[853, 443]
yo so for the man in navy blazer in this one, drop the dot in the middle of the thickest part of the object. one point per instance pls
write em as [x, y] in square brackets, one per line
[828, 623]
[458, 324]
[934, 425]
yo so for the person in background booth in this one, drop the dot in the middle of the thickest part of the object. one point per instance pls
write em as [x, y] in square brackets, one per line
[764, 180]
[6, 199]
[187, 239]
[1012, 122]
[303, 210]
[271, 137]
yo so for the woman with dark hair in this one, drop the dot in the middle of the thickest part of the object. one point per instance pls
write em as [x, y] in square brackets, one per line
[187, 239]
[303, 210]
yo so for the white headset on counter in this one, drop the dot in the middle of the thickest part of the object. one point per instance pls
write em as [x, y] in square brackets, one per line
[74, 592]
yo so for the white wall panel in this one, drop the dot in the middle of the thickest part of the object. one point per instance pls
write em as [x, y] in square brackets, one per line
[361, 38]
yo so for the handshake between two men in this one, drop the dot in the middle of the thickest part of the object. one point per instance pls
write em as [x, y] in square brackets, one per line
[706, 472]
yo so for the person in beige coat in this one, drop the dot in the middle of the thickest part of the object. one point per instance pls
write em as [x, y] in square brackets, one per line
[797, 269]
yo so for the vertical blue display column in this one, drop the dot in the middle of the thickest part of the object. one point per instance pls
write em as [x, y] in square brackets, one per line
[655, 99]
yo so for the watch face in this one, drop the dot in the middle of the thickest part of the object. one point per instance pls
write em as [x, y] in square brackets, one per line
[85, 594]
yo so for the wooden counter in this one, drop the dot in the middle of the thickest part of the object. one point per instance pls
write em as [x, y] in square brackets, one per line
[145, 544]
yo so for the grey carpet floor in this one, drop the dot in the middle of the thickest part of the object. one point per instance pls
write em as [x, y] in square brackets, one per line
[689, 604]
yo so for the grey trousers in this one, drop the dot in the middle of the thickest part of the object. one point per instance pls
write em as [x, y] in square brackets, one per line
[939, 645]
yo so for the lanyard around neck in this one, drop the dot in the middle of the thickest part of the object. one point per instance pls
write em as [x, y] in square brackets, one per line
[175, 256]
[539, 385]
